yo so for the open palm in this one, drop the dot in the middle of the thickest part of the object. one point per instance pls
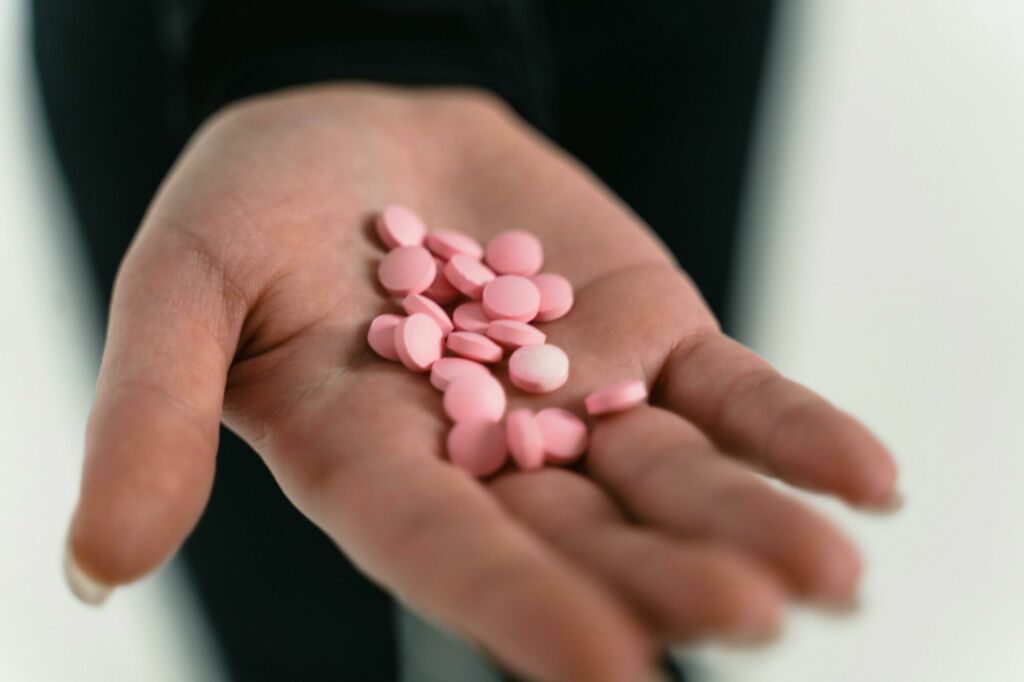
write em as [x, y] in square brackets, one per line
[247, 295]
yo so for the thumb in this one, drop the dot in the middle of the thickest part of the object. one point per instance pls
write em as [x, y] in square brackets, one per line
[152, 435]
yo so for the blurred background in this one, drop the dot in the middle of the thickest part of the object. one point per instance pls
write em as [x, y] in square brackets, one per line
[880, 264]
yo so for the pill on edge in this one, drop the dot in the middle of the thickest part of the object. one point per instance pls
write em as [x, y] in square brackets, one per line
[417, 303]
[525, 439]
[616, 397]
[513, 334]
[381, 336]
[475, 347]
[447, 243]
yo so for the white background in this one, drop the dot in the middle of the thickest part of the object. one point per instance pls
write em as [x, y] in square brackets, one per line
[881, 266]
[49, 348]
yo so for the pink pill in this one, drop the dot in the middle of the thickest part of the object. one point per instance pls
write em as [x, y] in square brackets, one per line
[515, 252]
[474, 346]
[556, 297]
[470, 317]
[447, 370]
[407, 270]
[616, 397]
[512, 334]
[381, 336]
[415, 303]
[468, 275]
[441, 290]
[447, 243]
[398, 226]
[511, 297]
[564, 434]
[525, 440]
[477, 446]
[418, 342]
[538, 369]
[474, 395]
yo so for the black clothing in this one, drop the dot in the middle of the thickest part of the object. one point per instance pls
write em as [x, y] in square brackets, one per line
[655, 96]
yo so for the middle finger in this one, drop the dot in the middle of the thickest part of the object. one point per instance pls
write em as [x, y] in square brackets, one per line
[683, 588]
[666, 472]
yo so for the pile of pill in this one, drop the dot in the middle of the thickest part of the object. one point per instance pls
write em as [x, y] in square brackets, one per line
[476, 303]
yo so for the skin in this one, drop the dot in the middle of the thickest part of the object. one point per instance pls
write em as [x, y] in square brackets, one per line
[246, 297]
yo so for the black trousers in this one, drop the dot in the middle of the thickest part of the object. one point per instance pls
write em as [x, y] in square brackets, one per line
[659, 106]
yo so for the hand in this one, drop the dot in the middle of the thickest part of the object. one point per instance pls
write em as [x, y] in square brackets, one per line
[246, 297]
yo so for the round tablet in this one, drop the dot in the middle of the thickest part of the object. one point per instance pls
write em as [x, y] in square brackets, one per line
[446, 370]
[474, 346]
[468, 275]
[407, 270]
[470, 317]
[441, 290]
[447, 243]
[515, 252]
[477, 446]
[511, 297]
[416, 303]
[381, 336]
[556, 297]
[525, 440]
[616, 397]
[398, 226]
[512, 334]
[538, 369]
[564, 434]
[418, 342]
[474, 395]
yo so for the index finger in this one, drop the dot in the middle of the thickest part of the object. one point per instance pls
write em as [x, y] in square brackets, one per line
[747, 407]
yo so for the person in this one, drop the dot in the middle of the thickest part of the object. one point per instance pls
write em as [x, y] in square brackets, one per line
[244, 296]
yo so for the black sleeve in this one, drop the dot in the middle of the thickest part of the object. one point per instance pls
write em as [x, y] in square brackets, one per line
[224, 50]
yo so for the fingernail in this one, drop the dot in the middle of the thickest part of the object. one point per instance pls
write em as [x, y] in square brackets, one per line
[847, 607]
[88, 590]
[890, 506]
[753, 640]
[895, 503]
